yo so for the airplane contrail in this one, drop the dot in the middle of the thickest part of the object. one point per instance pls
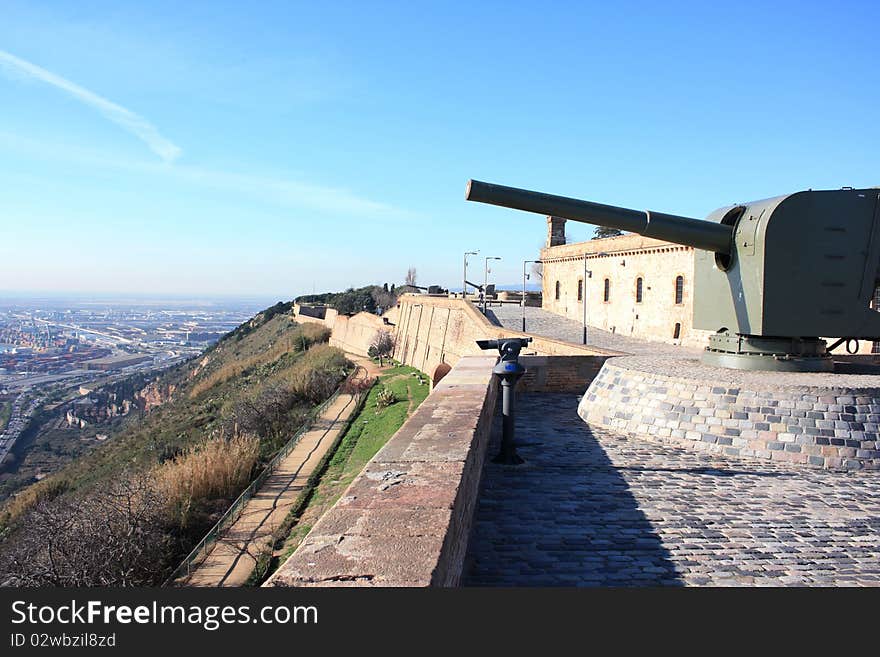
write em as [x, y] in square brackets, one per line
[128, 120]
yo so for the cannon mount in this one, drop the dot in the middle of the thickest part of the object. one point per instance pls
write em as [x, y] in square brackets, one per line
[770, 276]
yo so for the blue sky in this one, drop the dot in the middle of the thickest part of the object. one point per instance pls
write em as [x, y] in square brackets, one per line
[263, 148]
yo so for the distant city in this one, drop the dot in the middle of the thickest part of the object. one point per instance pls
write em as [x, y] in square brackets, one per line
[59, 347]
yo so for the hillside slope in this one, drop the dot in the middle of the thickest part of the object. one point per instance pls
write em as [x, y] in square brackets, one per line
[125, 512]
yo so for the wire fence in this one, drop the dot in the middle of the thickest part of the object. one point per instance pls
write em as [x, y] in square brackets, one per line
[204, 546]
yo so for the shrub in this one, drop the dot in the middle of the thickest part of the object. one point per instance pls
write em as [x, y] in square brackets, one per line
[310, 334]
[317, 374]
[218, 469]
[113, 536]
[355, 386]
[384, 399]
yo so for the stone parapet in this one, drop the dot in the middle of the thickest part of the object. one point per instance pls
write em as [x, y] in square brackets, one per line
[821, 420]
[406, 518]
[559, 373]
[432, 331]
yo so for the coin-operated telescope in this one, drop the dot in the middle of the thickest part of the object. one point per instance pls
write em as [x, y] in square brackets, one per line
[770, 277]
[509, 371]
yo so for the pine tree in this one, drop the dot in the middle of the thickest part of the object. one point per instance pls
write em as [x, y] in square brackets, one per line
[604, 231]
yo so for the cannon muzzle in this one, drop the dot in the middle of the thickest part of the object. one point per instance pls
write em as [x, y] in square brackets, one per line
[699, 234]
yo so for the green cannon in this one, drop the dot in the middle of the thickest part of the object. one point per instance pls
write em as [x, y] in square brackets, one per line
[771, 277]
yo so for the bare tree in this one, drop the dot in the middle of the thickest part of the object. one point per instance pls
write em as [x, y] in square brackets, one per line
[382, 345]
[270, 415]
[383, 297]
[411, 277]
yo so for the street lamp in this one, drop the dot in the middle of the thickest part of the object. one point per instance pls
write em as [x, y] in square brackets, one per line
[464, 280]
[486, 279]
[587, 275]
[523, 301]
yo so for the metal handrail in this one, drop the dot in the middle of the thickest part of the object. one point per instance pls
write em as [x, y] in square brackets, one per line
[234, 511]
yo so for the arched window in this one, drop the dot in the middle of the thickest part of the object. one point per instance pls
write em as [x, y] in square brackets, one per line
[558, 288]
[639, 289]
[607, 295]
[679, 290]
[580, 289]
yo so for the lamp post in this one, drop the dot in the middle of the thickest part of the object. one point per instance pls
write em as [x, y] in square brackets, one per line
[587, 275]
[523, 301]
[486, 279]
[464, 280]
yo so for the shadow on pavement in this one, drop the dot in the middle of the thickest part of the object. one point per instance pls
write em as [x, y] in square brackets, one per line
[564, 518]
[712, 472]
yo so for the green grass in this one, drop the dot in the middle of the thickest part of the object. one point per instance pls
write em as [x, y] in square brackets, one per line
[372, 428]
[368, 432]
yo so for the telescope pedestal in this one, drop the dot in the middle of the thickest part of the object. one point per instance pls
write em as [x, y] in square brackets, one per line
[757, 352]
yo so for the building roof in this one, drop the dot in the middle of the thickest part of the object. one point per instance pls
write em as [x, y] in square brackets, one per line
[627, 243]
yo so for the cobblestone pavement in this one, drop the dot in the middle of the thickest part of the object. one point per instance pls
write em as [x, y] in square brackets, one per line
[550, 325]
[594, 508]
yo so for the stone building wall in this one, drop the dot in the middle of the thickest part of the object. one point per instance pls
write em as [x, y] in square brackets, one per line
[622, 261]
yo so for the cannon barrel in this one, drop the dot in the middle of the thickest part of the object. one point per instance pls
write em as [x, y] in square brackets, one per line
[699, 234]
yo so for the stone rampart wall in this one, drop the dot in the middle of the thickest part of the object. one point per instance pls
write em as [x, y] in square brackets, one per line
[356, 333]
[432, 332]
[822, 420]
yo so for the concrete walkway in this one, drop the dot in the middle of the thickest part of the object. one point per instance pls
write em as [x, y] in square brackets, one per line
[236, 551]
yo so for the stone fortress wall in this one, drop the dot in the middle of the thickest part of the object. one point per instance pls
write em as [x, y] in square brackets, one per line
[432, 333]
[351, 333]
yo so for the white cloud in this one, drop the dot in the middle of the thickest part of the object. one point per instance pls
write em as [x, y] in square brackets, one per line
[128, 120]
[282, 189]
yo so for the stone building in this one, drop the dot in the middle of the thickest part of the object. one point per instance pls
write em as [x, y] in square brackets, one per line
[635, 285]
[638, 286]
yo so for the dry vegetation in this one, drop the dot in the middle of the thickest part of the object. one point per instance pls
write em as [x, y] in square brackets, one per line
[109, 537]
[304, 337]
[42, 491]
[218, 469]
[126, 534]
